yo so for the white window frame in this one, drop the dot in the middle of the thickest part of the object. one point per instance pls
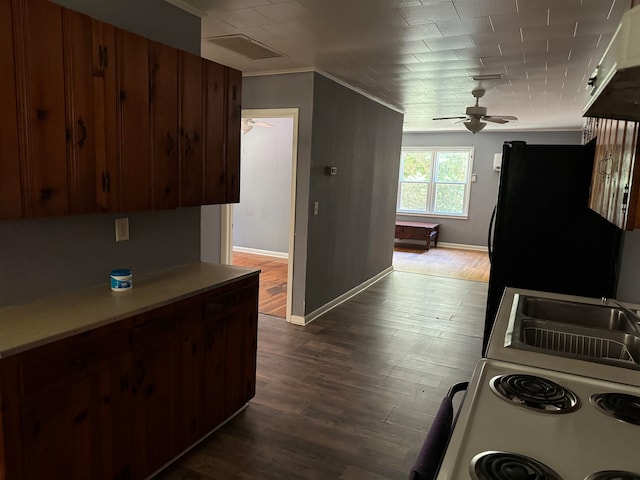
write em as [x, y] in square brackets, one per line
[432, 183]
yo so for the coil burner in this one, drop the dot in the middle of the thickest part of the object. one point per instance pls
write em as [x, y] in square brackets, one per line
[534, 392]
[509, 466]
[613, 475]
[620, 406]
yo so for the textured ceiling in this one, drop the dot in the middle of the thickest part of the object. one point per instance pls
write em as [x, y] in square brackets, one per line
[418, 56]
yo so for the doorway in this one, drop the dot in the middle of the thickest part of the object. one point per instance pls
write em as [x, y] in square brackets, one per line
[259, 231]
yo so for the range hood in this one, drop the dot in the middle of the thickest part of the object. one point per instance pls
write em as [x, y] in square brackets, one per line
[616, 83]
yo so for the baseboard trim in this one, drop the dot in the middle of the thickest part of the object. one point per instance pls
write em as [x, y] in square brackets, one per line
[265, 253]
[463, 246]
[307, 319]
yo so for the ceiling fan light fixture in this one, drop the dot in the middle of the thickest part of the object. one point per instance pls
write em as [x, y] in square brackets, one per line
[474, 125]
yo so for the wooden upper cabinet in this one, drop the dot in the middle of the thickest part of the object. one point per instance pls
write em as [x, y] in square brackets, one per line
[215, 124]
[40, 60]
[103, 120]
[163, 95]
[81, 125]
[132, 89]
[232, 149]
[191, 121]
[616, 174]
[10, 183]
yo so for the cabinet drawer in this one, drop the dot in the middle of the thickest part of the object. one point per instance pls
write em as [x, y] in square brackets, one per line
[228, 304]
[153, 333]
[47, 367]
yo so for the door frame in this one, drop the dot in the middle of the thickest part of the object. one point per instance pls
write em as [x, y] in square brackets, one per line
[226, 214]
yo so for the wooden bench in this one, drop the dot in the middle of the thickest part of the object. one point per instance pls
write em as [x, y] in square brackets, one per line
[418, 231]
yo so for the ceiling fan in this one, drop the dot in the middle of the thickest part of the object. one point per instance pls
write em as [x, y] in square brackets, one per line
[248, 124]
[476, 114]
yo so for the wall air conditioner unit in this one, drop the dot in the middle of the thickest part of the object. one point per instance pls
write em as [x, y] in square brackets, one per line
[615, 84]
[497, 162]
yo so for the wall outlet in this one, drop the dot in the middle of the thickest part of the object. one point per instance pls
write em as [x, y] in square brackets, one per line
[122, 229]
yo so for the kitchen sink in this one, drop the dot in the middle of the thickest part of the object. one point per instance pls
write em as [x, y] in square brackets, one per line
[605, 317]
[599, 333]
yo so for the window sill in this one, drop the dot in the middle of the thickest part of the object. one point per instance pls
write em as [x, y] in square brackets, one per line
[432, 215]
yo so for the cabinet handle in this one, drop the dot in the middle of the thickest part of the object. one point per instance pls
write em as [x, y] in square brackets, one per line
[106, 182]
[46, 193]
[83, 129]
[102, 56]
[187, 148]
[169, 144]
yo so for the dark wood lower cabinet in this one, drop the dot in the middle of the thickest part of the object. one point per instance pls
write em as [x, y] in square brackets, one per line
[121, 401]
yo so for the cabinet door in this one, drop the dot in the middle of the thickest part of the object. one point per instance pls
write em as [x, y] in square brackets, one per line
[10, 185]
[74, 393]
[240, 348]
[189, 381]
[232, 148]
[81, 126]
[191, 123]
[230, 326]
[163, 84]
[155, 349]
[67, 433]
[215, 124]
[213, 410]
[40, 55]
[103, 48]
[134, 162]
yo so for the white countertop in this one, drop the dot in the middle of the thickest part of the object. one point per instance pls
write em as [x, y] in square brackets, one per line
[49, 319]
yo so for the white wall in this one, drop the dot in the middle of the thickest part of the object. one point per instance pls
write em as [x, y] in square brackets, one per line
[261, 219]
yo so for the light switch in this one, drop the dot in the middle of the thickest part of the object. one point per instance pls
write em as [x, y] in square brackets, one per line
[316, 207]
[122, 229]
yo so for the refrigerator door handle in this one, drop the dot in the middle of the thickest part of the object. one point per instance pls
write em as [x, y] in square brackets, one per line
[490, 236]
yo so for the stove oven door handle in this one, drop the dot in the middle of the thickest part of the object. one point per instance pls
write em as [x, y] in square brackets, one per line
[428, 462]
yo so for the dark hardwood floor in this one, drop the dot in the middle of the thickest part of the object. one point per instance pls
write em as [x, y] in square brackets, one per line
[351, 395]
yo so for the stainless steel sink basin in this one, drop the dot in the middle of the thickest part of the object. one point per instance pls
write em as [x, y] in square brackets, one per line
[605, 317]
[598, 333]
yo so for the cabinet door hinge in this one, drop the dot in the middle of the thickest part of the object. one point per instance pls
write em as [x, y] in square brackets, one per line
[625, 198]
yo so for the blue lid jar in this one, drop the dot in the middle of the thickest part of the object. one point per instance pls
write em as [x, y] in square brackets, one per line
[121, 279]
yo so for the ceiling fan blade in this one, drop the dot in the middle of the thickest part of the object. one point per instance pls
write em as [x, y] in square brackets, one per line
[262, 124]
[449, 118]
[499, 120]
[504, 117]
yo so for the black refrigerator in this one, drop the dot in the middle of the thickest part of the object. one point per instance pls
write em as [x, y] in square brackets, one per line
[543, 235]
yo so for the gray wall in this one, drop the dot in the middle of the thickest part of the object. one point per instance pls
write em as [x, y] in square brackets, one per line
[261, 219]
[351, 239]
[629, 278]
[47, 256]
[484, 192]
[290, 91]
[154, 19]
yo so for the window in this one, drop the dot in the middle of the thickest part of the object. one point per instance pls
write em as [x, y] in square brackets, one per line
[435, 181]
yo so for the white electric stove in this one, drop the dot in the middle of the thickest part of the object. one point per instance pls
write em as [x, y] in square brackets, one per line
[576, 434]
[530, 415]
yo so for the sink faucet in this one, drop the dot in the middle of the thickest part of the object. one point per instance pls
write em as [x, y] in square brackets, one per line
[627, 311]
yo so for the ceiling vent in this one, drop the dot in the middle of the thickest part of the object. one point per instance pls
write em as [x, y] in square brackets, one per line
[245, 46]
[487, 76]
